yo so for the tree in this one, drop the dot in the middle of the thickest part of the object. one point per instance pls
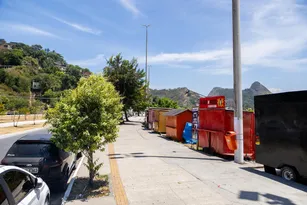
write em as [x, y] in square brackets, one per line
[86, 119]
[164, 102]
[35, 109]
[12, 57]
[128, 80]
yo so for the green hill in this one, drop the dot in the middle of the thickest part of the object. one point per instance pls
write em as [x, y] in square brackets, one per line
[31, 72]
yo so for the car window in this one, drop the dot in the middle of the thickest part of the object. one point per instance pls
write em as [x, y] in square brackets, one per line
[19, 183]
[32, 150]
[3, 198]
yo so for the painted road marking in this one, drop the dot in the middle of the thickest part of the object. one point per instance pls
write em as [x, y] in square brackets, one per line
[119, 191]
[71, 183]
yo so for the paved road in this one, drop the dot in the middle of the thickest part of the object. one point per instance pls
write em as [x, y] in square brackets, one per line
[7, 142]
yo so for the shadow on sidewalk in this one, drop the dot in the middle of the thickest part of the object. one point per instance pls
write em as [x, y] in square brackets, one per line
[276, 178]
[271, 198]
[130, 123]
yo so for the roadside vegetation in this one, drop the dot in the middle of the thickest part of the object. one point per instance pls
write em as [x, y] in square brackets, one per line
[86, 119]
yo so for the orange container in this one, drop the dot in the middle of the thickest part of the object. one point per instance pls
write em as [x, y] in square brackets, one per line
[231, 141]
[175, 122]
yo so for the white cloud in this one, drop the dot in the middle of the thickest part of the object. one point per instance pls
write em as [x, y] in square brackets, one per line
[99, 60]
[78, 26]
[130, 6]
[275, 90]
[27, 29]
[275, 36]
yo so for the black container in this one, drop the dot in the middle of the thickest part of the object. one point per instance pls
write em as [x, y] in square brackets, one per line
[281, 133]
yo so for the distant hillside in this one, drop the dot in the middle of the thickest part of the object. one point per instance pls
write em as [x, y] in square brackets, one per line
[248, 94]
[190, 99]
[179, 95]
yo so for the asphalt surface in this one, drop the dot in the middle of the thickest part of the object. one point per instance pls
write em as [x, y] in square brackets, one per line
[6, 143]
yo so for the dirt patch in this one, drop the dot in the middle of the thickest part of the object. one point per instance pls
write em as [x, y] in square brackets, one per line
[81, 190]
[9, 130]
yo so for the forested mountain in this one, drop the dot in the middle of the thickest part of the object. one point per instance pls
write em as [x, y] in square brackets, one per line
[28, 72]
[187, 98]
[183, 96]
[248, 94]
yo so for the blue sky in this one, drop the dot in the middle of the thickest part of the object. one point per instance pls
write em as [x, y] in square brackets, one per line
[190, 42]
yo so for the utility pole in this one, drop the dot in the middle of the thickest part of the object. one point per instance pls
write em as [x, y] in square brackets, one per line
[146, 54]
[237, 81]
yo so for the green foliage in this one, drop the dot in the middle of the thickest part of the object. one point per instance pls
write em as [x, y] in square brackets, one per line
[27, 63]
[164, 102]
[12, 57]
[16, 103]
[86, 118]
[128, 80]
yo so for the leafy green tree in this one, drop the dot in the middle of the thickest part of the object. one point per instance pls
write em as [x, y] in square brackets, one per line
[86, 119]
[128, 80]
[2, 75]
[30, 62]
[50, 97]
[12, 57]
[164, 102]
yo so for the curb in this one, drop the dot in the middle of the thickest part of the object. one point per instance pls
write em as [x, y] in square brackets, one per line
[22, 132]
[71, 183]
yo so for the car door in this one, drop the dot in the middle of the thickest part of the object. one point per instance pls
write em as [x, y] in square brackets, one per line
[4, 195]
[22, 188]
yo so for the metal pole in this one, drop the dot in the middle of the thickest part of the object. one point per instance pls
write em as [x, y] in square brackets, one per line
[149, 67]
[237, 81]
[146, 77]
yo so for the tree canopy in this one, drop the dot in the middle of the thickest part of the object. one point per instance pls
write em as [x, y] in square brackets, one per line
[164, 102]
[86, 119]
[129, 81]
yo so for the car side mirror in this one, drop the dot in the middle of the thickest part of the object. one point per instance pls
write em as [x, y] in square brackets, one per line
[38, 182]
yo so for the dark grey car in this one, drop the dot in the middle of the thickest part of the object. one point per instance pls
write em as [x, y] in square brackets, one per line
[38, 155]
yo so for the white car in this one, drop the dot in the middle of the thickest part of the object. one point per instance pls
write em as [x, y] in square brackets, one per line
[19, 187]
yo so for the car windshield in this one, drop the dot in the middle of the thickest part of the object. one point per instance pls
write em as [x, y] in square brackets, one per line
[32, 150]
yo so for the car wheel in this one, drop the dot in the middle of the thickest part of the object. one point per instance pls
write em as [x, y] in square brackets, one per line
[289, 174]
[64, 181]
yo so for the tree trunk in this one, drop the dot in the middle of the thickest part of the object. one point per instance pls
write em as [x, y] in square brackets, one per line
[90, 162]
[126, 116]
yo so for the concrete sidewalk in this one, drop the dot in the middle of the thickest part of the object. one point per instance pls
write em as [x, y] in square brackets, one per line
[155, 170]
[105, 170]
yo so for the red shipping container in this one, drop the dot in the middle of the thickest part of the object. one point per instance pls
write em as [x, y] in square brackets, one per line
[214, 123]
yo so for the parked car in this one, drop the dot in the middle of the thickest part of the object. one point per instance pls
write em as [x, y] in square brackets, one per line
[18, 186]
[38, 155]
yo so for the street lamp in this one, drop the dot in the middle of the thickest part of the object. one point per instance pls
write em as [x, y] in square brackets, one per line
[149, 67]
[237, 81]
[146, 26]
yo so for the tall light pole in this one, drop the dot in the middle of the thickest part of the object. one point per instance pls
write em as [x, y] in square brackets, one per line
[149, 68]
[237, 81]
[146, 51]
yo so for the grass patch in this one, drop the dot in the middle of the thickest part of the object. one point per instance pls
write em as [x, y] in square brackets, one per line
[82, 191]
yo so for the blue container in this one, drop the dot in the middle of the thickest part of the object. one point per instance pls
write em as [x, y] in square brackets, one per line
[187, 133]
